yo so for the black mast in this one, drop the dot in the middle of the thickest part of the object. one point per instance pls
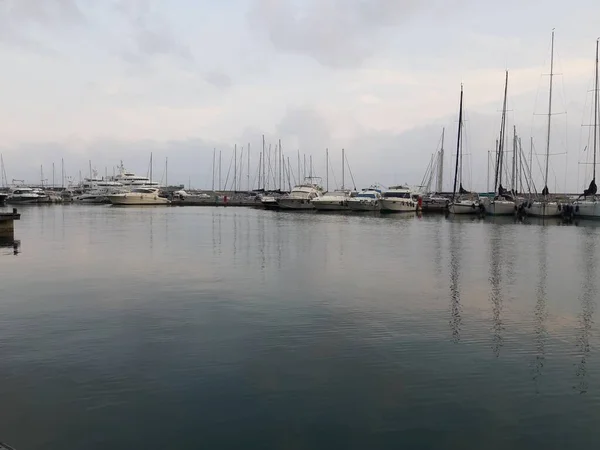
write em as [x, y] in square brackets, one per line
[500, 156]
[460, 112]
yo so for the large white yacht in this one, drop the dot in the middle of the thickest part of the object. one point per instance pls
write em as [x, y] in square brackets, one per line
[333, 201]
[130, 179]
[301, 197]
[366, 200]
[398, 199]
[139, 196]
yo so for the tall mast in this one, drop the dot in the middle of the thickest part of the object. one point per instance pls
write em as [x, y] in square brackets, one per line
[150, 167]
[440, 176]
[299, 179]
[62, 172]
[595, 115]
[545, 191]
[500, 155]
[327, 169]
[219, 170]
[213, 169]
[514, 161]
[234, 168]
[167, 171]
[343, 169]
[460, 112]
[52, 175]
[280, 167]
[248, 175]
[264, 164]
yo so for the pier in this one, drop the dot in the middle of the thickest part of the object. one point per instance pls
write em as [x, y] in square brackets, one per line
[7, 226]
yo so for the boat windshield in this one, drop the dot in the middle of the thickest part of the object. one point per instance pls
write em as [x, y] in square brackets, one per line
[364, 195]
[397, 194]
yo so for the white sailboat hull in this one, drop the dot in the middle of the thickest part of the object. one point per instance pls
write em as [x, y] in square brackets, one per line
[399, 205]
[500, 208]
[588, 209]
[543, 209]
[464, 207]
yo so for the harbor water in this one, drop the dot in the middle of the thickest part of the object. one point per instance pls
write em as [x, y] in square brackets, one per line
[238, 328]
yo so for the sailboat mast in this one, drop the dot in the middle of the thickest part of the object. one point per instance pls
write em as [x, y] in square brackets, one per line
[234, 168]
[440, 176]
[150, 167]
[248, 174]
[327, 169]
[514, 161]
[460, 112]
[549, 115]
[500, 155]
[595, 115]
[343, 168]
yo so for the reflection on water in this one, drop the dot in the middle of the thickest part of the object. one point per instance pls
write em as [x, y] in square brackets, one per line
[495, 278]
[588, 269]
[9, 243]
[540, 311]
[176, 326]
[455, 255]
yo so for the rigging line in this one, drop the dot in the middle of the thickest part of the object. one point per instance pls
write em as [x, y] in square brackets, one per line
[228, 171]
[351, 175]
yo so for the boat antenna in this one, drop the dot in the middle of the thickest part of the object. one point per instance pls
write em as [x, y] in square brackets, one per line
[460, 111]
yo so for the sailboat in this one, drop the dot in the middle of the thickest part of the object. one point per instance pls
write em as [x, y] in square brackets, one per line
[502, 204]
[465, 202]
[544, 206]
[589, 207]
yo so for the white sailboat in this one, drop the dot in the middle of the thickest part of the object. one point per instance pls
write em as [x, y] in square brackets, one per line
[502, 204]
[465, 202]
[545, 206]
[589, 206]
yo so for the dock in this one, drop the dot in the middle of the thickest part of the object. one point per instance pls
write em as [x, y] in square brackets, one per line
[7, 219]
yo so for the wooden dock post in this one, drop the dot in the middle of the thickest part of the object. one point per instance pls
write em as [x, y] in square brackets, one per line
[7, 226]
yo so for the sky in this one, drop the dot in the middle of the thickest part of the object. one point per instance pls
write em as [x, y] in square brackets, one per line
[117, 80]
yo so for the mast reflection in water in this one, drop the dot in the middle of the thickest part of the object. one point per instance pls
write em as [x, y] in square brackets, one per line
[589, 270]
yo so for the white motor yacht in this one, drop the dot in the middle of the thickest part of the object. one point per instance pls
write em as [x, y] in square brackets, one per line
[139, 196]
[301, 197]
[22, 195]
[366, 200]
[398, 199]
[332, 201]
[130, 179]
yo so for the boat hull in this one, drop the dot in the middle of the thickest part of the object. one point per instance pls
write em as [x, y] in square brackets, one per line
[330, 205]
[295, 204]
[464, 208]
[132, 199]
[398, 206]
[500, 208]
[543, 209]
[587, 209]
[363, 205]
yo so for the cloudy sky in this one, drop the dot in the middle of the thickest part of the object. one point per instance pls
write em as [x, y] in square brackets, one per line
[117, 79]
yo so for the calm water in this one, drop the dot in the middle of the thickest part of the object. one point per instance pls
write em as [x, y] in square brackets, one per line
[191, 328]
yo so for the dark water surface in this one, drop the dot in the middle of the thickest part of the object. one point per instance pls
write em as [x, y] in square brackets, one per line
[189, 328]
